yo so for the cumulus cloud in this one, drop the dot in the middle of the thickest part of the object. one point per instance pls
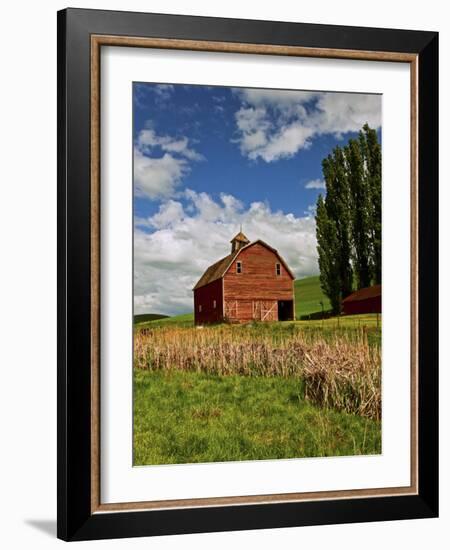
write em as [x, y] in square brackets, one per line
[170, 213]
[148, 139]
[156, 176]
[337, 113]
[276, 124]
[188, 235]
[315, 184]
[274, 98]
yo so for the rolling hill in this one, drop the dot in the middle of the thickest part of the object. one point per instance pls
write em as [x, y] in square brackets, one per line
[144, 317]
[308, 295]
[185, 319]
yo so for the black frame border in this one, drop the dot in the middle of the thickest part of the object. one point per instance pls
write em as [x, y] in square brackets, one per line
[75, 521]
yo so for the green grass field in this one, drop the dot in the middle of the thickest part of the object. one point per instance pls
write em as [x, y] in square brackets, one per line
[184, 320]
[144, 317]
[187, 417]
[368, 320]
[308, 296]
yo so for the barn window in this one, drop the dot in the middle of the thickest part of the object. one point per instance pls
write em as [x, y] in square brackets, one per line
[278, 269]
[214, 304]
[238, 267]
[200, 308]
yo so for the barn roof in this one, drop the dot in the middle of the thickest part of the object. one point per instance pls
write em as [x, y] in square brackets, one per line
[364, 294]
[218, 269]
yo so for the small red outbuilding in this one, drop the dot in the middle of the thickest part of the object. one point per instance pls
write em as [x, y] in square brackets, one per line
[364, 300]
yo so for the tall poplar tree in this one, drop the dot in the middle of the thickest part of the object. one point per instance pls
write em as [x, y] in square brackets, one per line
[348, 219]
[372, 156]
[337, 204]
[327, 246]
[360, 218]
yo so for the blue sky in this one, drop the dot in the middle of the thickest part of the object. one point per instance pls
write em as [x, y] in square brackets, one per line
[207, 159]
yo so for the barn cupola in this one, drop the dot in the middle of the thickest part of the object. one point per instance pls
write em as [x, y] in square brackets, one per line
[239, 241]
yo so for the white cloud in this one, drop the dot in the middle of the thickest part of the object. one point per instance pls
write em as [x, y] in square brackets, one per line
[261, 137]
[170, 213]
[276, 124]
[338, 113]
[285, 142]
[157, 177]
[315, 184]
[148, 139]
[274, 98]
[253, 126]
[186, 240]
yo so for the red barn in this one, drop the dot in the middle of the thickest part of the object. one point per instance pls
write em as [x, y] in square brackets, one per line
[252, 283]
[365, 300]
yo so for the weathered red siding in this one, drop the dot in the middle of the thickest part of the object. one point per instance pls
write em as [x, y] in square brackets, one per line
[204, 297]
[258, 279]
[247, 310]
[254, 293]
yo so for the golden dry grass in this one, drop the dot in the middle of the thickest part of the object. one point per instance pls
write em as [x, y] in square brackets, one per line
[341, 371]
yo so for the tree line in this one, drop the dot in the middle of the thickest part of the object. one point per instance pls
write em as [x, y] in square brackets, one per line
[348, 218]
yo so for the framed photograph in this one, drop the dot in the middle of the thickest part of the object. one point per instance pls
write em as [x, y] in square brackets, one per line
[247, 254]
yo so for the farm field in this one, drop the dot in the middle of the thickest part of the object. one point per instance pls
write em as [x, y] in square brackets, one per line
[368, 320]
[188, 417]
[263, 390]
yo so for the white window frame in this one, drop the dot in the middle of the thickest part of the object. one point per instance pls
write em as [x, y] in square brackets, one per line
[239, 268]
[278, 269]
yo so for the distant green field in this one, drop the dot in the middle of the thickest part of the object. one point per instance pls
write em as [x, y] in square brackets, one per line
[144, 317]
[183, 320]
[308, 295]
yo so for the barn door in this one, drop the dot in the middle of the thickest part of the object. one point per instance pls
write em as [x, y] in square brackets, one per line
[231, 309]
[265, 310]
[268, 311]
